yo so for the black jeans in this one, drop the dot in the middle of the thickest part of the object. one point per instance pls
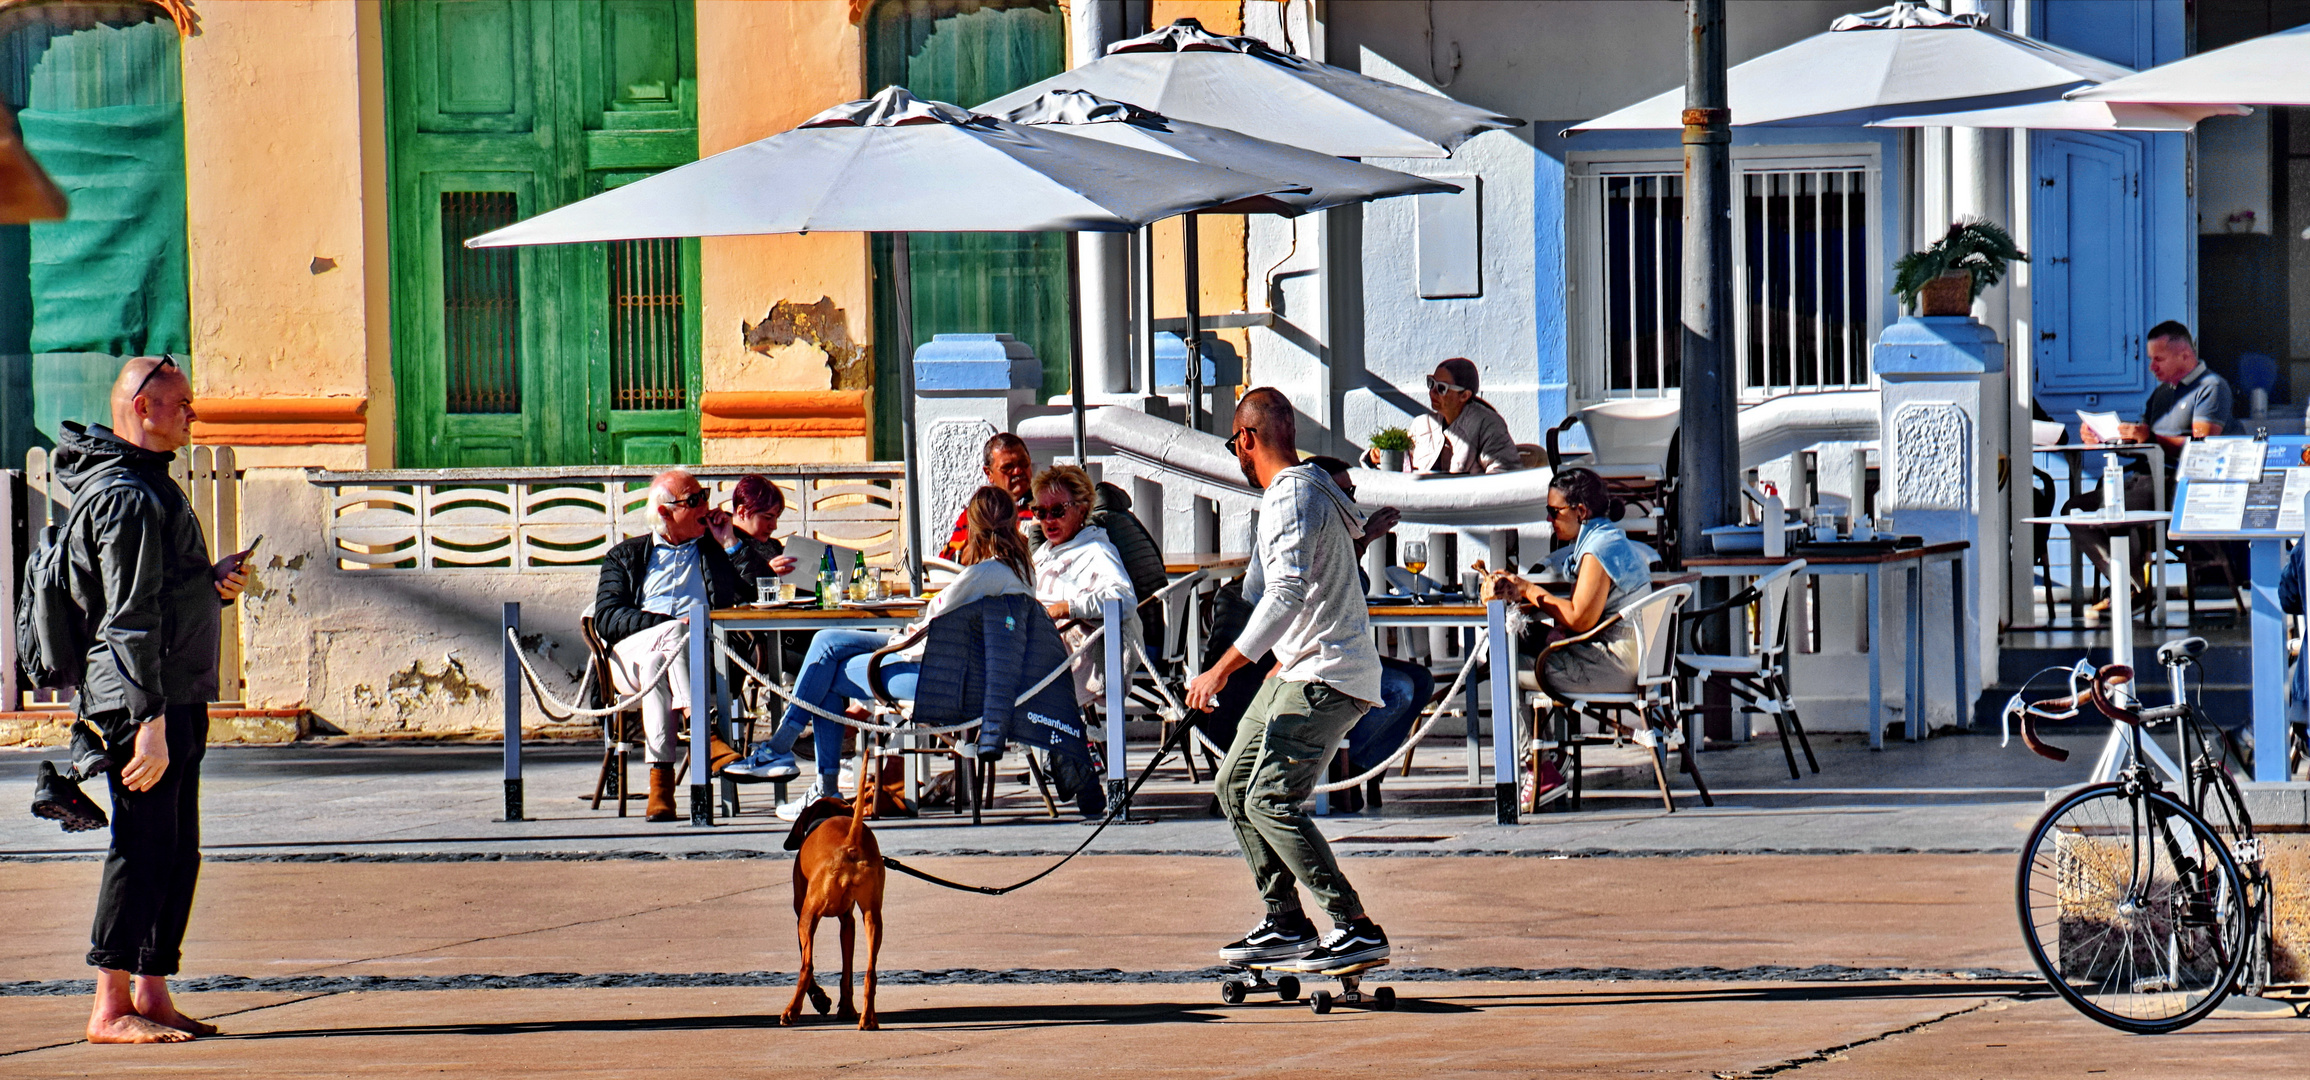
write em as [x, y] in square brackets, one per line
[146, 897]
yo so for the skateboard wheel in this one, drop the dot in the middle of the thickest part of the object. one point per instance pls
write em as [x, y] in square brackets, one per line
[1287, 988]
[1231, 992]
[1320, 1001]
[1384, 998]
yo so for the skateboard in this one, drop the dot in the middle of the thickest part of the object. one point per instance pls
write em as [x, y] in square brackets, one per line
[1285, 987]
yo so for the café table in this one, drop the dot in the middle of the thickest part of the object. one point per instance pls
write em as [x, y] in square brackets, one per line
[2150, 453]
[2121, 584]
[1911, 563]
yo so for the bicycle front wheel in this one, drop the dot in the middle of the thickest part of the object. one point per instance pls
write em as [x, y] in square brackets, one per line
[2132, 908]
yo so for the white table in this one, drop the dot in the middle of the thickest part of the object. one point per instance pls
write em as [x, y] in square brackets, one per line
[2121, 578]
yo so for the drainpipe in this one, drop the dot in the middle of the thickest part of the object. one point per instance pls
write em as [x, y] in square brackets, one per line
[1102, 276]
[1709, 483]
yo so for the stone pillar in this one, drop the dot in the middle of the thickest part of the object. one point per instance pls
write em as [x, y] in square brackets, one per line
[1944, 381]
[967, 387]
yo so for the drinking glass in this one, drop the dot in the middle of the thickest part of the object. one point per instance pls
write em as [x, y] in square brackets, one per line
[765, 589]
[1415, 558]
[786, 592]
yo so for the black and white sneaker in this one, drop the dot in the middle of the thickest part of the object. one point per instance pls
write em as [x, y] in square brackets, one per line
[1361, 941]
[1277, 937]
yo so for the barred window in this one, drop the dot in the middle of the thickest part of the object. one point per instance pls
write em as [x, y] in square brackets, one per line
[648, 361]
[480, 304]
[1804, 281]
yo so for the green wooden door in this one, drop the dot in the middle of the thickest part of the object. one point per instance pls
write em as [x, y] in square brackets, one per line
[966, 52]
[562, 355]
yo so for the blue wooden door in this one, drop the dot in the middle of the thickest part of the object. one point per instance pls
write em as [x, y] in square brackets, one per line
[2087, 270]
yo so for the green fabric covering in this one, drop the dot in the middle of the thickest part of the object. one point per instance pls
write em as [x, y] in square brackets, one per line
[111, 277]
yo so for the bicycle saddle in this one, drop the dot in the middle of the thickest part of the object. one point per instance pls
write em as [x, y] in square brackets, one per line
[2176, 653]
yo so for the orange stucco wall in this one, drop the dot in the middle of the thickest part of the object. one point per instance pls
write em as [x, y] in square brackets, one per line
[762, 69]
[269, 191]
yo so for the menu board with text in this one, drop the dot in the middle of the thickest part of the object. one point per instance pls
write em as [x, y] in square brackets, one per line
[2241, 489]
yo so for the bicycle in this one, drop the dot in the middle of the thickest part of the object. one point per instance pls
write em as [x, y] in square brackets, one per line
[2143, 910]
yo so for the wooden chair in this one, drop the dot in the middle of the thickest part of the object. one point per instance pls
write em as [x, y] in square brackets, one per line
[1651, 699]
[621, 732]
[1759, 679]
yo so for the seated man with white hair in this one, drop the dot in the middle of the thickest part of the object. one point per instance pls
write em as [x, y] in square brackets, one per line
[651, 588]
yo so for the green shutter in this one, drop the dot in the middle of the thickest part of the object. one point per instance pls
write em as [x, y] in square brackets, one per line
[966, 52]
[559, 355]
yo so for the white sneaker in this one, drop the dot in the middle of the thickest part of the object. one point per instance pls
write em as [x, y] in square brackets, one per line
[792, 809]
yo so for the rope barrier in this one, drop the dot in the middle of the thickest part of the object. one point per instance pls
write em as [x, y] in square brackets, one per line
[1483, 646]
[862, 725]
[548, 703]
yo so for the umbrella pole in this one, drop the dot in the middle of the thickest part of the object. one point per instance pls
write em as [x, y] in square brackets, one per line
[902, 302]
[1191, 257]
[1075, 342]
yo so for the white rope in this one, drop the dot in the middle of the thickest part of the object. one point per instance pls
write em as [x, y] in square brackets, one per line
[1483, 646]
[862, 725]
[548, 703]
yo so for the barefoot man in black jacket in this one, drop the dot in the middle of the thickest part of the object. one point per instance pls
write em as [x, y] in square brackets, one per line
[154, 600]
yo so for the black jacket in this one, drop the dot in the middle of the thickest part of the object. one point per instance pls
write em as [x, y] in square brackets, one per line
[618, 610]
[141, 570]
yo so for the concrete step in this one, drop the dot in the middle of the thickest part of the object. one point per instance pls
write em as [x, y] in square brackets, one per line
[2223, 681]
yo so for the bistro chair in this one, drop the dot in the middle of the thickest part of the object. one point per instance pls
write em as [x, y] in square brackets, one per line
[1759, 679]
[621, 731]
[1633, 445]
[1650, 699]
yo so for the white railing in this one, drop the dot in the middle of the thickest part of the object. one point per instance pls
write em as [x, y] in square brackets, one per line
[210, 478]
[565, 519]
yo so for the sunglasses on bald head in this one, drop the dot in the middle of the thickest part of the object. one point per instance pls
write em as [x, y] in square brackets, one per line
[166, 361]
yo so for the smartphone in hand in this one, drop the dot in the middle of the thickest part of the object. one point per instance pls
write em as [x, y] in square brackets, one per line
[233, 563]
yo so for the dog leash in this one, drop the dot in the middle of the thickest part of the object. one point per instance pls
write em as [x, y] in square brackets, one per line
[1113, 808]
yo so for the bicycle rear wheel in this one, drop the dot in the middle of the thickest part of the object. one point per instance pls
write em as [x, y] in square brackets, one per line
[2223, 807]
[2132, 908]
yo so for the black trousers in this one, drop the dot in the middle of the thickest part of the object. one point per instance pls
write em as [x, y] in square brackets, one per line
[147, 893]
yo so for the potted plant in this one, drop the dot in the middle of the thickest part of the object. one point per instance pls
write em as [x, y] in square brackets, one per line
[1945, 278]
[1392, 444]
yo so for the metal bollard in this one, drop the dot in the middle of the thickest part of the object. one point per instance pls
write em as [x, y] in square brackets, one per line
[1503, 660]
[513, 690]
[1117, 688]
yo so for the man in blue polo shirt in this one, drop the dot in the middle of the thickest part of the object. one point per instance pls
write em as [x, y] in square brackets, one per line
[2190, 402]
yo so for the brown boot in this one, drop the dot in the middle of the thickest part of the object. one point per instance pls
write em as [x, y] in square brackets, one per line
[718, 754]
[661, 804]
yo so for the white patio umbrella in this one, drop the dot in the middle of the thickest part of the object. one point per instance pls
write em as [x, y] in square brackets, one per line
[1321, 181]
[1185, 72]
[1903, 59]
[896, 163]
[2072, 116]
[2268, 70]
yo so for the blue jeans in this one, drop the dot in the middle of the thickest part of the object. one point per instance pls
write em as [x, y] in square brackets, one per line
[1404, 688]
[834, 672]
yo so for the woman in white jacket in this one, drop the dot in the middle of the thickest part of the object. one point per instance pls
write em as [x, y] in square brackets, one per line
[1078, 570]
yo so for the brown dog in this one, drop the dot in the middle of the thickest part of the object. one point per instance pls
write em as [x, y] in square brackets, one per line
[838, 867]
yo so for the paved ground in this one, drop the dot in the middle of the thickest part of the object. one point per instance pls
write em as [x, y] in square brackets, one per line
[362, 915]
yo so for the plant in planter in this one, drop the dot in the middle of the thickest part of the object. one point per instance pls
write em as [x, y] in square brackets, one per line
[1945, 278]
[1392, 444]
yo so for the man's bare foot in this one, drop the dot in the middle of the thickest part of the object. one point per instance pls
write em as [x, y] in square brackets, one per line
[168, 1017]
[131, 1028]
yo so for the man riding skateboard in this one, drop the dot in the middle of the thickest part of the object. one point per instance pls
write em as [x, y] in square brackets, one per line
[1310, 612]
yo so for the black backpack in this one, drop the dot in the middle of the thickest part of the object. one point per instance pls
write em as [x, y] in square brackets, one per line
[52, 632]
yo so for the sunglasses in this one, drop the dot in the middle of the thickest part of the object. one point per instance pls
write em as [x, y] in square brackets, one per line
[166, 361]
[693, 500]
[1555, 512]
[1052, 513]
[1238, 436]
[1439, 386]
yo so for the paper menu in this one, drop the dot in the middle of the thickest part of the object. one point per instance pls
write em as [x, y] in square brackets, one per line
[2104, 425]
[807, 552]
[2223, 459]
[2213, 508]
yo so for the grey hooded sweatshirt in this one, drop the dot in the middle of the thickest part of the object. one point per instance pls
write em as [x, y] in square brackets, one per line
[1310, 609]
[141, 571]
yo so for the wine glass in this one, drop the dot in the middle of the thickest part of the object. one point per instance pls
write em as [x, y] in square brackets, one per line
[1415, 559]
